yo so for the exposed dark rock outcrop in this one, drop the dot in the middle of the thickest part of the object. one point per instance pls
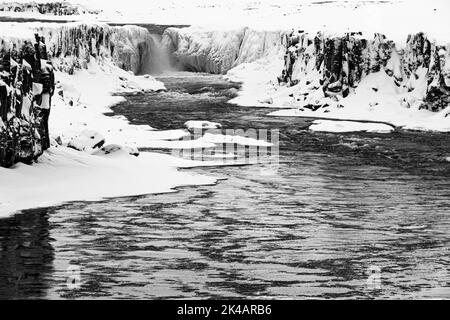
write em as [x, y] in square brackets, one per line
[23, 134]
[53, 8]
[343, 61]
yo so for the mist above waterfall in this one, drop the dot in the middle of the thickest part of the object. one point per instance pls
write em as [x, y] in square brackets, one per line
[157, 58]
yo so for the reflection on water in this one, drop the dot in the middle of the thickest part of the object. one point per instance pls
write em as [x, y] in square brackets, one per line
[338, 205]
[25, 255]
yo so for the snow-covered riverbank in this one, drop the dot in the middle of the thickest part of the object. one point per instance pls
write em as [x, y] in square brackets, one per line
[64, 174]
[87, 86]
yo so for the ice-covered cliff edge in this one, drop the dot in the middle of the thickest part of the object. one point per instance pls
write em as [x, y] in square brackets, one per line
[331, 68]
[217, 51]
[366, 77]
[73, 45]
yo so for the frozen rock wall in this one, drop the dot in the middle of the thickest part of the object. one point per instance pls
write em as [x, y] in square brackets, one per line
[218, 51]
[72, 46]
[325, 67]
[337, 64]
[22, 128]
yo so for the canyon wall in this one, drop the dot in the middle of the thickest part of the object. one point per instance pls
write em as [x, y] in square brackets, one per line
[336, 65]
[22, 123]
[325, 67]
[73, 45]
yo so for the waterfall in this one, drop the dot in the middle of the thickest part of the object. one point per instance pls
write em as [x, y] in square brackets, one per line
[157, 59]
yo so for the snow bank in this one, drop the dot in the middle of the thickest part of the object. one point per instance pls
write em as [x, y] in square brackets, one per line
[349, 126]
[63, 174]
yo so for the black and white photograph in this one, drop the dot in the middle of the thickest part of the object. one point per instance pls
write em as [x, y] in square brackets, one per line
[224, 150]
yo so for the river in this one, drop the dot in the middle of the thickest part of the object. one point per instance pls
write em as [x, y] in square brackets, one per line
[354, 215]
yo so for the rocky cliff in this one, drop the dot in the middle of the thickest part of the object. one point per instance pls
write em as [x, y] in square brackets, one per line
[73, 45]
[217, 51]
[325, 67]
[22, 130]
[336, 65]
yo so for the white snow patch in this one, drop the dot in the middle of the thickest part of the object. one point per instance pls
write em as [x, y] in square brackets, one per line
[200, 124]
[86, 140]
[222, 138]
[349, 126]
[63, 174]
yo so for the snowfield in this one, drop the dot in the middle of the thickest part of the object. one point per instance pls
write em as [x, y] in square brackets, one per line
[63, 174]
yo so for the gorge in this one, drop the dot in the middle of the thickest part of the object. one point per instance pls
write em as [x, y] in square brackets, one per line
[357, 180]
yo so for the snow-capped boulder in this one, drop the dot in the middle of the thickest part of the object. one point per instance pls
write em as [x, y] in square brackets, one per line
[204, 125]
[87, 140]
[117, 149]
[268, 100]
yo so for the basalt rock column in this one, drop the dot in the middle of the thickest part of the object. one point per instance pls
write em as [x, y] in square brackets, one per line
[341, 62]
[22, 130]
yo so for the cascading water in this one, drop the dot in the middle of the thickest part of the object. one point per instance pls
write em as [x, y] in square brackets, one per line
[157, 59]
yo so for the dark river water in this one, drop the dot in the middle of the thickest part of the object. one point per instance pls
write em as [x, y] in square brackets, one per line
[352, 215]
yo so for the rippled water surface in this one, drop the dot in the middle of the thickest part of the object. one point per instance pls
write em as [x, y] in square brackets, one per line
[337, 206]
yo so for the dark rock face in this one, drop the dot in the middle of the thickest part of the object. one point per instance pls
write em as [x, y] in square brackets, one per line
[343, 61]
[53, 8]
[23, 134]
